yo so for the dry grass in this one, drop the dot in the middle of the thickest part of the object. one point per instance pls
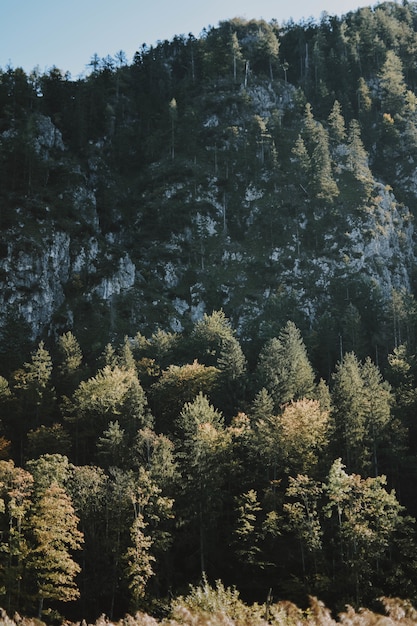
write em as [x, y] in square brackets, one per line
[397, 613]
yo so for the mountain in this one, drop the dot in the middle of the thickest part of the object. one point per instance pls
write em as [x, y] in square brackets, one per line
[265, 169]
[208, 324]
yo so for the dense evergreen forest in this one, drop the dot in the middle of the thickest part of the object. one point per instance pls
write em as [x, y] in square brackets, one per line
[208, 321]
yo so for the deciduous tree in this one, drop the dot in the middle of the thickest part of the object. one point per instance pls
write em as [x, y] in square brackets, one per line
[54, 536]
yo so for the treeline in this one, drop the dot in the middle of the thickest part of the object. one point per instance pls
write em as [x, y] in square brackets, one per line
[364, 60]
[172, 457]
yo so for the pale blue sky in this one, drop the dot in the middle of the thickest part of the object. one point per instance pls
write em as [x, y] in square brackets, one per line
[66, 33]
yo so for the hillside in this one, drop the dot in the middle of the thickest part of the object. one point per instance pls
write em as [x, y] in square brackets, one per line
[267, 170]
[208, 320]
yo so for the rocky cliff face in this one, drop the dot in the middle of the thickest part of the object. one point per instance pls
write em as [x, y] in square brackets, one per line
[36, 276]
[232, 195]
[47, 271]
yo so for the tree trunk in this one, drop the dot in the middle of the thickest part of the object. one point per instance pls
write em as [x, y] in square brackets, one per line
[40, 607]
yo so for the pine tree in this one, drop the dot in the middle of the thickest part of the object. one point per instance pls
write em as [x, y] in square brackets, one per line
[246, 530]
[283, 367]
[392, 83]
[349, 413]
[209, 336]
[262, 406]
[377, 401]
[236, 54]
[337, 128]
[364, 98]
[32, 386]
[302, 162]
[72, 355]
[324, 184]
[310, 128]
[202, 448]
[358, 159]
[111, 446]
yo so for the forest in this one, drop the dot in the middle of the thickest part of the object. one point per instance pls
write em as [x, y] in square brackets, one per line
[173, 458]
[208, 328]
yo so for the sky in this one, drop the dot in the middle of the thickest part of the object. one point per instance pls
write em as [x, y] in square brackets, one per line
[67, 33]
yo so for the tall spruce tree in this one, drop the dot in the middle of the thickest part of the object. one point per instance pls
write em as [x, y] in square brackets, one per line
[337, 128]
[377, 400]
[202, 450]
[349, 414]
[392, 84]
[284, 368]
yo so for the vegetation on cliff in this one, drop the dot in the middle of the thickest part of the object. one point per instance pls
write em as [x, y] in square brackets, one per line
[208, 325]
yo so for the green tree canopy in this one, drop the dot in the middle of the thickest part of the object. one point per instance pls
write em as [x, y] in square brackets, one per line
[284, 368]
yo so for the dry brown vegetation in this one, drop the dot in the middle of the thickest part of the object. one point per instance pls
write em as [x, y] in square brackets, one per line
[283, 613]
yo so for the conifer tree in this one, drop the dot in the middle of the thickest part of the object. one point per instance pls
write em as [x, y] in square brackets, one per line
[202, 449]
[209, 337]
[324, 185]
[364, 98]
[162, 347]
[246, 531]
[349, 413]
[322, 395]
[302, 161]
[262, 406]
[72, 355]
[313, 154]
[126, 359]
[112, 446]
[337, 128]
[377, 401]
[357, 159]
[393, 88]
[310, 128]
[236, 54]
[35, 394]
[284, 368]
